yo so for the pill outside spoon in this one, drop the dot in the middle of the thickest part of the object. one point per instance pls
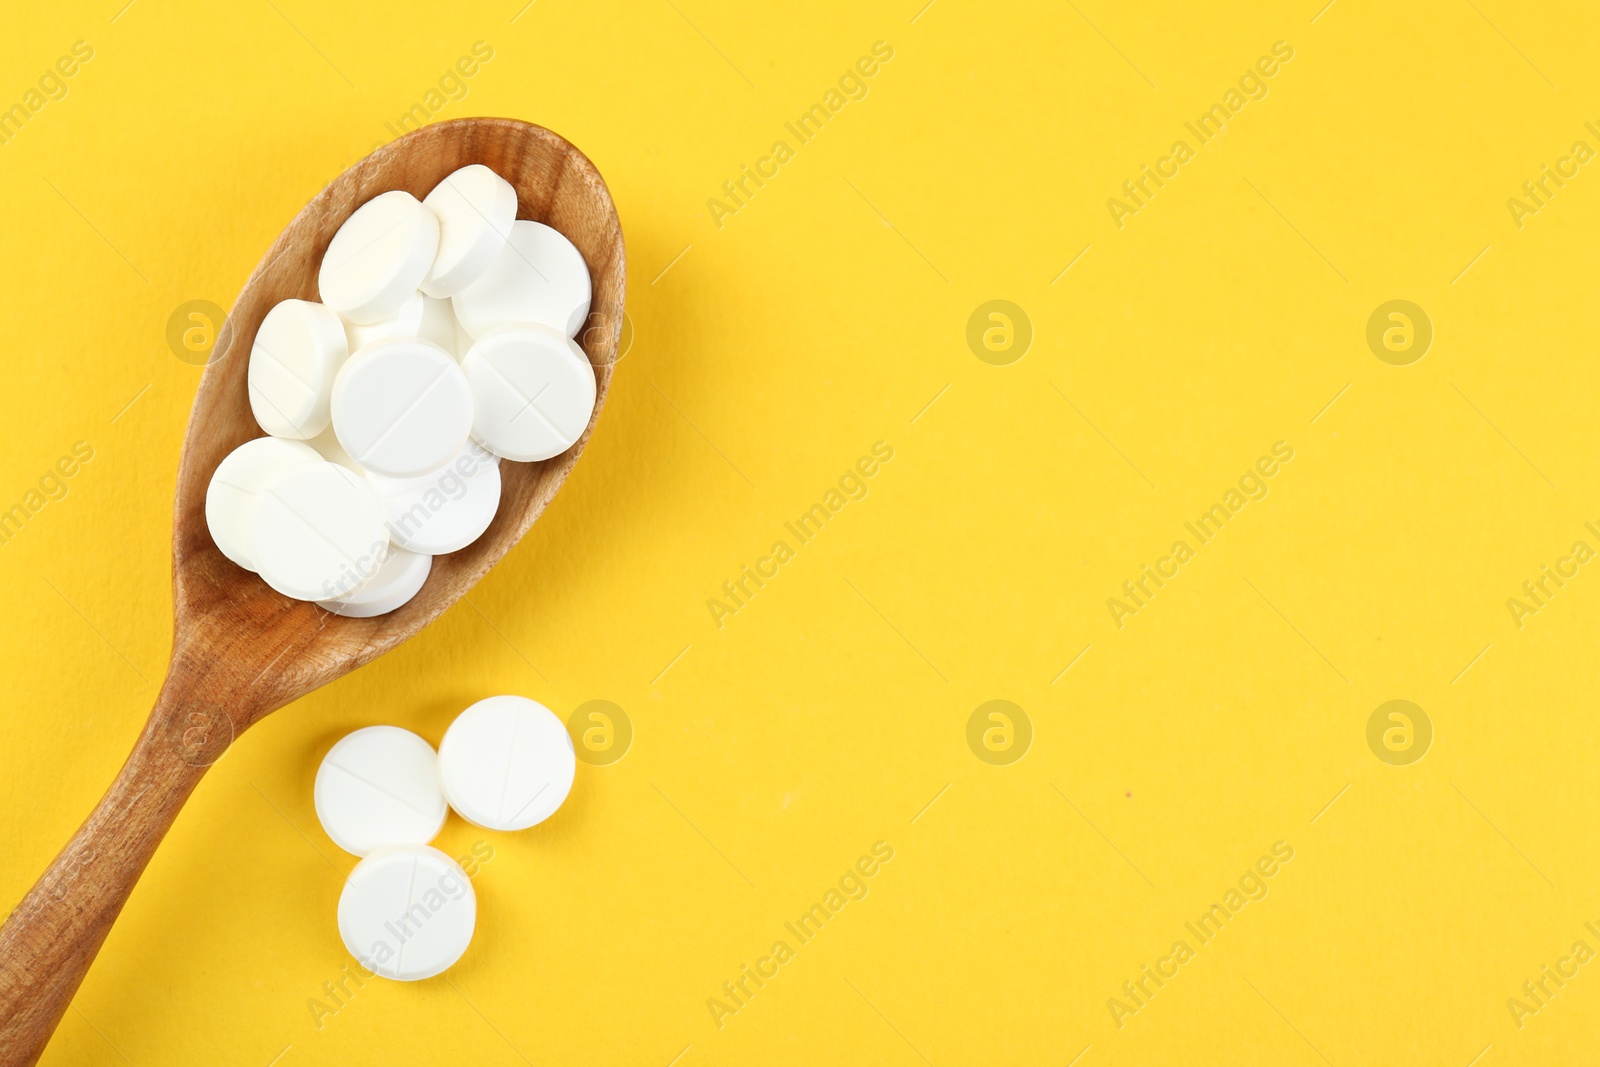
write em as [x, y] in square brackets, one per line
[240, 650]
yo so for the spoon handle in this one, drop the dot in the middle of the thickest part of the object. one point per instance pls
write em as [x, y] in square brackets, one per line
[53, 935]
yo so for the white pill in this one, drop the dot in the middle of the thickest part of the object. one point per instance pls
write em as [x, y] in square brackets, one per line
[446, 509]
[533, 392]
[298, 350]
[401, 407]
[318, 532]
[507, 763]
[407, 912]
[235, 492]
[379, 786]
[379, 257]
[476, 208]
[399, 578]
[539, 277]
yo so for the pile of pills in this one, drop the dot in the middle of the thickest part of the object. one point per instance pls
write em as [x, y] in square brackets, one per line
[443, 344]
[407, 911]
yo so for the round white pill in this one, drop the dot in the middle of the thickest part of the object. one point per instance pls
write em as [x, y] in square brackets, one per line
[319, 532]
[446, 509]
[532, 392]
[407, 912]
[401, 407]
[379, 786]
[298, 350]
[399, 578]
[235, 491]
[538, 277]
[379, 257]
[476, 208]
[507, 763]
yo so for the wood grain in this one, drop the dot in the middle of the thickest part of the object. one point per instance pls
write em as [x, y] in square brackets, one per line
[240, 650]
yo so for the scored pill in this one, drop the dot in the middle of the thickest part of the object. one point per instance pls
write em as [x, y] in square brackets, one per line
[407, 912]
[507, 763]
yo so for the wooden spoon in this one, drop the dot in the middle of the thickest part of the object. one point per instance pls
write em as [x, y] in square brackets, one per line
[240, 650]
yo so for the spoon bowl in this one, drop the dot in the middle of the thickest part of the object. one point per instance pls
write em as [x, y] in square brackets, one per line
[240, 650]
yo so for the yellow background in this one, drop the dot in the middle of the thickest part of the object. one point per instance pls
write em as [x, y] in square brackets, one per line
[770, 354]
